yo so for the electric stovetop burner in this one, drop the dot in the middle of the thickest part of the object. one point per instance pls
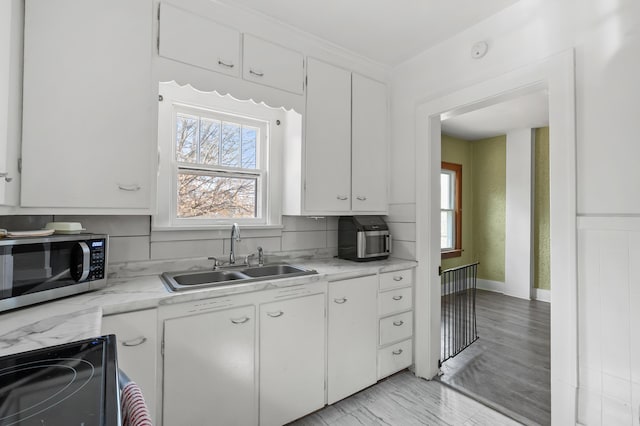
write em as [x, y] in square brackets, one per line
[70, 384]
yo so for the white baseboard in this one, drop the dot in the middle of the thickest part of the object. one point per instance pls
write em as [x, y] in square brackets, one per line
[542, 295]
[489, 285]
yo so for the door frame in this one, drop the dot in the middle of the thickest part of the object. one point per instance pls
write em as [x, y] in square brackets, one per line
[556, 75]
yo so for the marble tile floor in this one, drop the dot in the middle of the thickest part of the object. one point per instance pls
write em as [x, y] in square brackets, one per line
[405, 400]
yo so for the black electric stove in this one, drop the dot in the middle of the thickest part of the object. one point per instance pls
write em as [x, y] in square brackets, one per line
[70, 384]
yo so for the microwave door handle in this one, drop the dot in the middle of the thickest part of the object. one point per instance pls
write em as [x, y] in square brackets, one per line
[388, 243]
[86, 257]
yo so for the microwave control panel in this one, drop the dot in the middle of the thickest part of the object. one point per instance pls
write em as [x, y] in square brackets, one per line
[98, 259]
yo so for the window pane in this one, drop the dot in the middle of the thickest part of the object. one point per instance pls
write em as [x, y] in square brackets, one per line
[230, 155]
[216, 197]
[445, 191]
[446, 229]
[186, 138]
[209, 141]
[249, 137]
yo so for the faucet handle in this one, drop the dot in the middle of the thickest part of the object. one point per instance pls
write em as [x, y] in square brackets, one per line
[247, 257]
[215, 262]
[260, 256]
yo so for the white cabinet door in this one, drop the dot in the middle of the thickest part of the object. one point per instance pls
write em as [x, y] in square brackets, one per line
[369, 146]
[194, 40]
[292, 358]
[272, 65]
[328, 139]
[209, 366]
[88, 132]
[136, 335]
[353, 336]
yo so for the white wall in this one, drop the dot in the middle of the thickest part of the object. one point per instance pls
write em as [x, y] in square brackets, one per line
[519, 214]
[606, 38]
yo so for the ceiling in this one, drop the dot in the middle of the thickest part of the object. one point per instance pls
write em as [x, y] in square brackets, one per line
[385, 31]
[527, 111]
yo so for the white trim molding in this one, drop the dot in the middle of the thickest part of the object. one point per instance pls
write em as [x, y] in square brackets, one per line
[489, 285]
[542, 295]
[556, 75]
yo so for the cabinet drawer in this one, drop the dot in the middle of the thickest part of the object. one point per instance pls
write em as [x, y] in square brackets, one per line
[394, 358]
[393, 301]
[396, 328]
[396, 279]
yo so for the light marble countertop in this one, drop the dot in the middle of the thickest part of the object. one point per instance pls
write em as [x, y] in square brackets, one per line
[136, 286]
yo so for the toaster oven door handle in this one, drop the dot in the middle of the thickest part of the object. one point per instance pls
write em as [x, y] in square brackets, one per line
[387, 243]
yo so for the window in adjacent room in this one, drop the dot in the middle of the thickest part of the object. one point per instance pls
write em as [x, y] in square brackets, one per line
[450, 210]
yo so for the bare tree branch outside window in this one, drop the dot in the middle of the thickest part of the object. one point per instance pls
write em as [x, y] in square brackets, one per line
[203, 191]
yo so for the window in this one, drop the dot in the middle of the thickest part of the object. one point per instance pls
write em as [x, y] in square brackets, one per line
[451, 210]
[220, 160]
[219, 168]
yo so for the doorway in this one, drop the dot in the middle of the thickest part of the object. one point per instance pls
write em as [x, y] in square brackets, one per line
[556, 75]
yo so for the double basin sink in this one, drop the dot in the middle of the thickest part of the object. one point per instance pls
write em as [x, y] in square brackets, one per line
[231, 275]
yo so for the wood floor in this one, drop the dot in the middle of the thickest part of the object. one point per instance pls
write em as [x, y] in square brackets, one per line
[508, 367]
[405, 400]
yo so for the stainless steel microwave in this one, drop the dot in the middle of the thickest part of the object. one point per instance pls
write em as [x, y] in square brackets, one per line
[363, 238]
[39, 269]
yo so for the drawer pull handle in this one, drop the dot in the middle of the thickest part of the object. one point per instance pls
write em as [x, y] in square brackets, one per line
[256, 73]
[342, 197]
[398, 323]
[397, 352]
[397, 297]
[275, 314]
[397, 278]
[340, 301]
[240, 320]
[131, 188]
[134, 342]
[361, 198]
[225, 64]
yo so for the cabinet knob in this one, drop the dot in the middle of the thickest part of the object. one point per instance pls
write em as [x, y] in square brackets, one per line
[361, 198]
[239, 320]
[397, 278]
[342, 197]
[398, 323]
[256, 73]
[6, 177]
[397, 352]
[275, 314]
[225, 64]
[397, 297]
[132, 188]
[340, 301]
[134, 342]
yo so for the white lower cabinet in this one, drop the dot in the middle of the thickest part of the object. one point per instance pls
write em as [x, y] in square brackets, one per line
[292, 358]
[352, 336]
[209, 368]
[136, 336]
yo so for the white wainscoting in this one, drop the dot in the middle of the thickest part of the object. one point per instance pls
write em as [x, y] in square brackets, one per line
[609, 320]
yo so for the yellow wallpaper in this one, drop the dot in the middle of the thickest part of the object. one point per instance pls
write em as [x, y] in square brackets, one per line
[541, 227]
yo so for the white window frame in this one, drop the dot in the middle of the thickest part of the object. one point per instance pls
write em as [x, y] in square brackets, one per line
[452, 198]
[184, 99]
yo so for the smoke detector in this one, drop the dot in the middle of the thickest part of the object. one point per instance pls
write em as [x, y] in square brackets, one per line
[479, 49]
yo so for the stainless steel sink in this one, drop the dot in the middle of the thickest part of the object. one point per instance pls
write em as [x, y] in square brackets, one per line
[233, 275]
[208, 277]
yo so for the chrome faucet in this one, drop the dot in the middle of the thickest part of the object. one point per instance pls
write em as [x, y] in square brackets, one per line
[235, 236]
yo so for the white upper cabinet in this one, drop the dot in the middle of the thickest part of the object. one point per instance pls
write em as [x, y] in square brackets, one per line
[89, 105]
[328, 139]
[368, 145]
[194, 40]
[340, 167]
[272, 65]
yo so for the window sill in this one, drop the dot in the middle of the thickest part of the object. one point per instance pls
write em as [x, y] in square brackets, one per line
[447, 254]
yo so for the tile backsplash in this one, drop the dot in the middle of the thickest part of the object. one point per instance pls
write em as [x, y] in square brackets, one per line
[131, 238]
